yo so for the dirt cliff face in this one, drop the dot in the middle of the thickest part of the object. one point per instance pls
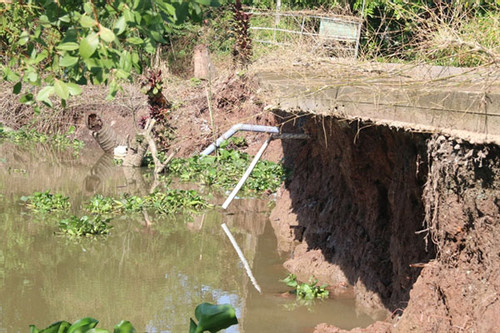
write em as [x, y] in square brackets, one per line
[460, 289]
[402, 220]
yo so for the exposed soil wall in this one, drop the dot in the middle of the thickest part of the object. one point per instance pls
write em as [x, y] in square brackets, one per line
[402, 220]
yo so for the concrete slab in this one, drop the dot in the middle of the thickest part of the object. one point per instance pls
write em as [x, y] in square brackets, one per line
[434, 101]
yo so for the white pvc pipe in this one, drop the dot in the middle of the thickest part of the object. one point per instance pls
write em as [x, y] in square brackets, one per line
[247, 173]
[242, 257]
[239, 127]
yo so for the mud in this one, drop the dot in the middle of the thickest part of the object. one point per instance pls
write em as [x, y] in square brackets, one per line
[406, 222]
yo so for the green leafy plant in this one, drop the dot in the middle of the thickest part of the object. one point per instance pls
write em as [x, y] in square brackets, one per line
[306, 291]
[85, 226]
[84, 325]
[26, 135]
[226, 168]
[44, 202]
[59, 46]
[100, 204]
[213, 318]
[164, 203]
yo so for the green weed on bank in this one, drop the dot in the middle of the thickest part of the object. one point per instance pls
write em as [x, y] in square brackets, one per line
[225, 169]
[29, 136]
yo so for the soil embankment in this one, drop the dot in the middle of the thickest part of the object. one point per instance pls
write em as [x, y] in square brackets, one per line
[409, 223]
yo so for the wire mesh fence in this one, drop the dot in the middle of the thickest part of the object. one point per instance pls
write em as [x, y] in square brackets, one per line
[339, 35]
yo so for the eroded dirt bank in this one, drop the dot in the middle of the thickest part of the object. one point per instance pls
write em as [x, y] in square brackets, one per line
[404, 221]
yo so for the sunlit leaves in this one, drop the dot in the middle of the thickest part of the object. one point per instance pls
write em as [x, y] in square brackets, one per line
[74, 89]
[84, 325]
[88, 46]
[213, 318]
[87, 22]
[106, 35]
[70, 46]
[24, 38]
[68, 61]
[61, 89]
[44, 94]
[66, 43]
[120, 25]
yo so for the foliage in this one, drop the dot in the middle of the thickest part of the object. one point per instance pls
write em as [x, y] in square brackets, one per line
[100, 204]
[306, 291]
[456, 33]
[403, 29]
[226, 168]
[159, 108]
[164, 203]
[475, 42]
[84, 325]
[213, 318]
[25, 135]
[85, 226]
[44, 202]
[242, 50]
[60, 45]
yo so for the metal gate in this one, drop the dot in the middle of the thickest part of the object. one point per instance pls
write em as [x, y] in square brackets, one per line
[328, 31]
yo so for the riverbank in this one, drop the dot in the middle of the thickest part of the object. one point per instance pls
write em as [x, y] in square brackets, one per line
[405, 222]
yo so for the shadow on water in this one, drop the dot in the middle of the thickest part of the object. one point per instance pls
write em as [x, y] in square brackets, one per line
[153, 277]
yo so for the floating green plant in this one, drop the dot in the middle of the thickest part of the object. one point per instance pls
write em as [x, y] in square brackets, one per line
[84, 325]
[213, 318]
[306, 291]
[61, 140]
[85, 226]
[226, 168]
[44, 202]
[165, 203]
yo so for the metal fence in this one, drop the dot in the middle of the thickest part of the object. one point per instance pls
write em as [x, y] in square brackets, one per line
[340, 34]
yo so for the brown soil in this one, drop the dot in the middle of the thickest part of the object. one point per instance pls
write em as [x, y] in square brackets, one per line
[233, 100]
[409, 221]
[408, 224]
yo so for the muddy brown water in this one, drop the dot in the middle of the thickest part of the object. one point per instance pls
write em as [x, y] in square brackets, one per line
[153, 277]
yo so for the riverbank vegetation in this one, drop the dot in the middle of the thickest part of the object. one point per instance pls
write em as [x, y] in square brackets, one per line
[67, 47]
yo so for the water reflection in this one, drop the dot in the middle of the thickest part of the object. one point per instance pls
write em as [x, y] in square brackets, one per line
[154, 276]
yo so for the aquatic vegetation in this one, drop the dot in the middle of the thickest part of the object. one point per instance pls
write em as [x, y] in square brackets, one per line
[306, 291]
[213, 318]
[84, 325]
[226, 168]
[100, 204]
[165, 203]
[44, 202]
[85, 226]
[60, 140]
